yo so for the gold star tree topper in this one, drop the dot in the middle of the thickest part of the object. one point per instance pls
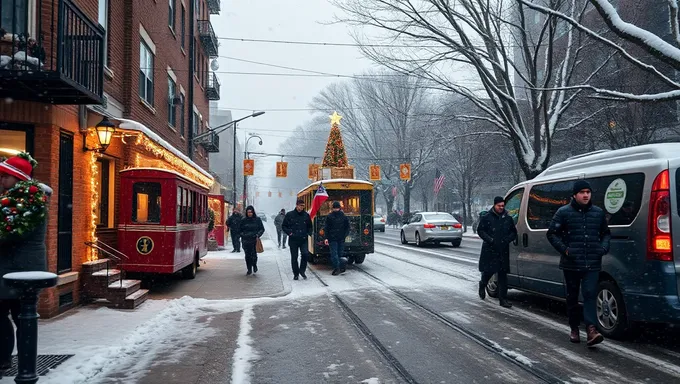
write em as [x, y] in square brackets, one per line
[335, 118]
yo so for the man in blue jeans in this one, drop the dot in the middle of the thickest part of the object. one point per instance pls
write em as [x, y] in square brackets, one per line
[580, 233]
[336, 229]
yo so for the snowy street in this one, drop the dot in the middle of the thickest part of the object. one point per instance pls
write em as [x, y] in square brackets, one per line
[407, 315]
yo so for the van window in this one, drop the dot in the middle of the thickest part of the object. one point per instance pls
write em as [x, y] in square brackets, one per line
[620, 196]
[513, 203]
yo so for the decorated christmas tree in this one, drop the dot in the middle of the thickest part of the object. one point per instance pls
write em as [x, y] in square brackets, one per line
[335, 155]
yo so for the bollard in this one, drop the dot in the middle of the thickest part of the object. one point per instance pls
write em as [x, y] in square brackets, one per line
[28, 285]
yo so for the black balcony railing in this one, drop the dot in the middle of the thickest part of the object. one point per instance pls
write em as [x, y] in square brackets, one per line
[58, 59]
[211, 143]
[208, 38]
[214, 7]
[212, 89]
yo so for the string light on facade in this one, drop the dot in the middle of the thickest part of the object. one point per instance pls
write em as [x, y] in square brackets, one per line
[94, 189]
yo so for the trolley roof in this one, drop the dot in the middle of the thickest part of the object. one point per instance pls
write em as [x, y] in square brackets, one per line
[168, 171]
[336, 181]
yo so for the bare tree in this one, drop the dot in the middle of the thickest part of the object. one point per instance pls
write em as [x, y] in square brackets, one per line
[647, 50]
[521, 77]
[386, 124]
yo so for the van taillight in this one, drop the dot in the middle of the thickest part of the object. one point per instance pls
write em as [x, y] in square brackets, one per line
[659, 238]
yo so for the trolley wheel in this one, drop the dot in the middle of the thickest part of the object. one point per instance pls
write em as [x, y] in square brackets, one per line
[189, 272]
[359, 259]
[350, 259]
[313, 259]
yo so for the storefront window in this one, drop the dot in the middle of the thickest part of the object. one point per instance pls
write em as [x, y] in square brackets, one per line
[13, 142]
[146, 203]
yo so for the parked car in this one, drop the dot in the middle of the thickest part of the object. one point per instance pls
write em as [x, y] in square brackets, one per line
[639, 190]
[432, 227]
[378, 223]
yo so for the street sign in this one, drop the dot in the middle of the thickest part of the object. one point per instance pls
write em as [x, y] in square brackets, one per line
[281, 169]
[248, 167]
[374, 172]
[313, 171]
[405, 171]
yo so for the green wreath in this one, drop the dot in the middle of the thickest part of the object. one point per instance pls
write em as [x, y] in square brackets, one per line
[23, 208]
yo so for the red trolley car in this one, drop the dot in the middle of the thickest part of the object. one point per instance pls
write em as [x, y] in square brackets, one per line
[163, 222]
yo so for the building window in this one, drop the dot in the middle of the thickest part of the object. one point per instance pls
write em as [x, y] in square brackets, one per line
[197, 123]
[146, 203]
[13, 16]
[171, 14]
[181, 115]
[15, 140]
[183, 26]
[145, 73]
[172, 106]
[105, 192]
[103, 19]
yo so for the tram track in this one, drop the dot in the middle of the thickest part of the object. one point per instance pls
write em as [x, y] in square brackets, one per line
[484, 342]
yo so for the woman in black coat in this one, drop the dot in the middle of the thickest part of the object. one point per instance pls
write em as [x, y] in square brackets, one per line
[497, 230]
[251, 230]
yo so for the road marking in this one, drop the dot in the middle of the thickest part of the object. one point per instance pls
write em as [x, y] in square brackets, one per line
[463, 259]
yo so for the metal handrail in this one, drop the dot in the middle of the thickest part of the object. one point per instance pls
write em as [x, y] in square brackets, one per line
[110, 252]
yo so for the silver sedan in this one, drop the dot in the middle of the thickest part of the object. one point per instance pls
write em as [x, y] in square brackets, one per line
[432, 227]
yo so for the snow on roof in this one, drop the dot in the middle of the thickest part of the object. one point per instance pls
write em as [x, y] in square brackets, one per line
[132, 125]
[337, 181]
[181, 176]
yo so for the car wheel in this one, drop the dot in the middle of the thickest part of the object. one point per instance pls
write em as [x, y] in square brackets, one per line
[456, 243]
[612, 319]
[359, 259]
[382, 230]
[418, 242]
[492, 286]
[403, 238]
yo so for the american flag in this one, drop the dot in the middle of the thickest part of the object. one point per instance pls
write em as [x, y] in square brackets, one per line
[438, 182]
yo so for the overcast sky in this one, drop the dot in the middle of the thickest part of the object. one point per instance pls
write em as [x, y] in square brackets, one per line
[295, 20]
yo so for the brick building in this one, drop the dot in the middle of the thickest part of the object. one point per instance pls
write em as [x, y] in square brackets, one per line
[65, 65]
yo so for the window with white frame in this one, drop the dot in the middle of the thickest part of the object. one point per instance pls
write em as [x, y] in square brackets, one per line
[197, 123]
[171, 14]
[103, 18]
[145, 73]
[172, 107]
[13, 17]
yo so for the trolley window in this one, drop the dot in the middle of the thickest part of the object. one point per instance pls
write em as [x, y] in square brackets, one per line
[146, 203]
[349, 201]
[179, 205]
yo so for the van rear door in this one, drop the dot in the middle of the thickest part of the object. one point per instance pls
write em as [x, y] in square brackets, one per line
[674, 173]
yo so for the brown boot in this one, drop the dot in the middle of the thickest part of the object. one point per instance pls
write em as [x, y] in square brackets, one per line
[575, 336]
[594, 336]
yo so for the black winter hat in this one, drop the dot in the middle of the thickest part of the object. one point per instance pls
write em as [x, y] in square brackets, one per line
[336, 204]
[497, 200]
[580, 185]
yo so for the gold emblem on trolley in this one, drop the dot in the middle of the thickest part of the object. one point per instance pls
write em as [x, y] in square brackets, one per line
[144, 245]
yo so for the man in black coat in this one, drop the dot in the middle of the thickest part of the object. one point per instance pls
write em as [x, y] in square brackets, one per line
[336, 229]
[580, 233]
[298, 226]
[234, 225]
[497, 230]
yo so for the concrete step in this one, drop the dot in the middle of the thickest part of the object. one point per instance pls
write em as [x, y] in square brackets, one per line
[107, 276]
[136, 299]
[121, 289]
[94, 266]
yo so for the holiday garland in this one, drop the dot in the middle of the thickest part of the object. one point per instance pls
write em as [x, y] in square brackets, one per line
[23, 208]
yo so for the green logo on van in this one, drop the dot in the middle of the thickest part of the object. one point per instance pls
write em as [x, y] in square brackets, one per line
[615, 196]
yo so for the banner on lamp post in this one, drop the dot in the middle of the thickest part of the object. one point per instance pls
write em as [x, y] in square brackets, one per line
[405, 171]
[248, 167]
[269, 194]
[281, 169]
[374, 172]
[313, 171]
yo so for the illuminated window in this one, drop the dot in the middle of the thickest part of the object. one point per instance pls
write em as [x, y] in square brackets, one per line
[146, 203]
[105, 191]
[13, 142]
[349, 201]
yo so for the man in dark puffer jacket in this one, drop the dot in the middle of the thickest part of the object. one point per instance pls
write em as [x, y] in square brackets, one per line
[579, 232]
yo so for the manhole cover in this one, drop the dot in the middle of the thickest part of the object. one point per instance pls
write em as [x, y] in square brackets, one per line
[45, 363]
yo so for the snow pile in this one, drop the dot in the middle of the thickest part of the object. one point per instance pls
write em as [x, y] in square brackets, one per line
[244, 354]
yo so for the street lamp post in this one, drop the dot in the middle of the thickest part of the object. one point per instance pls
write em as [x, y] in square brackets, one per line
[221, 128]
[245, 179]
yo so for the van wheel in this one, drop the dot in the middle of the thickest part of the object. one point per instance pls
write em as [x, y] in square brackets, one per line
[418, 243]
[612, 319]
[359, 259]
[189, 272]
[403, 238]
[492, 286]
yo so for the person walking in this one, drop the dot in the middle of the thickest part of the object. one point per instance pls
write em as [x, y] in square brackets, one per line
[580, 233]
[298, 226]
[25, 254]
[234, 226]
[497, 230]
[336, 229]
[251, 229]
[278, 223]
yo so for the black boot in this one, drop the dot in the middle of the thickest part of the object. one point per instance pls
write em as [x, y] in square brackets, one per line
[249, 273]
[254, 268]
[482, 291]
